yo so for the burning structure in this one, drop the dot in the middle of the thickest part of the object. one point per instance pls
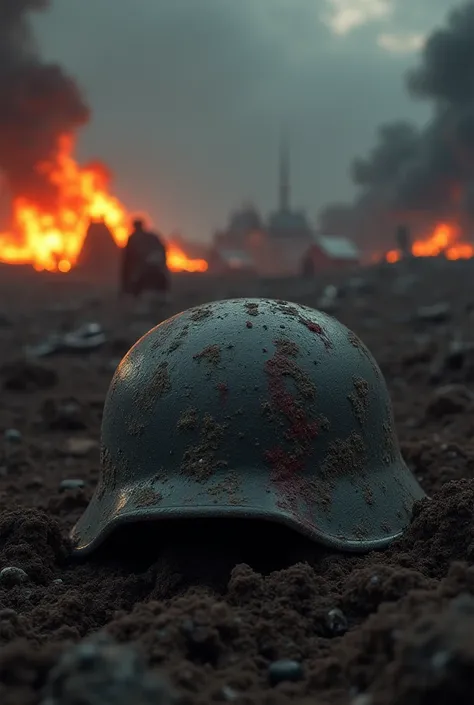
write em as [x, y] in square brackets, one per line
[281, 244]
[52, 198]
[423, 177]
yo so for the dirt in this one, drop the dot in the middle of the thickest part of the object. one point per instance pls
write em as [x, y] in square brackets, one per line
[237, 612]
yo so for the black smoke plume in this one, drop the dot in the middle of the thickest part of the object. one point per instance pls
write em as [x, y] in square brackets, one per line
[420, 175]
[38, 102]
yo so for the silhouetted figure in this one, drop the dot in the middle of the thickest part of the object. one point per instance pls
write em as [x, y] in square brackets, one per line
[144, 265]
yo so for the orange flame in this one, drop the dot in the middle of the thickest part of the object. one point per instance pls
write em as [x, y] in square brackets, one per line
[178, 261]
[52, 239]
[443, 241]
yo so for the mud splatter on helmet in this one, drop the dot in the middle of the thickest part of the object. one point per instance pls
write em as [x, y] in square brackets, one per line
[252, 408]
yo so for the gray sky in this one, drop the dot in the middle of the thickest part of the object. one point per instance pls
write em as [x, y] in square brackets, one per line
[188, 96]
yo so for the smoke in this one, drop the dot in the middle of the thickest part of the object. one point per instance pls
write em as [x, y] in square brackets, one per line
[426, 173]
[38, 103]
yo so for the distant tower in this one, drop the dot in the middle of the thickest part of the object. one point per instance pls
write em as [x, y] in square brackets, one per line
[284, 175]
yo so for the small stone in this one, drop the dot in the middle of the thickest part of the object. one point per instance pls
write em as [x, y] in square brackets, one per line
[336, 622]
[99, 671]
[79, 447]
[12, 435]
[450, 399]
[362, 699]
[285, 670]
[438, 313]
[72, 485]
[11, 576]
[229, 694]
[58, 581]
[8, 613]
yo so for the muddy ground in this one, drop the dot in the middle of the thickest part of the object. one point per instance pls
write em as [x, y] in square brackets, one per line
[211, 612]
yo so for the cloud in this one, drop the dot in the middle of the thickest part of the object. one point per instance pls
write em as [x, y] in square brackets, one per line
[345, 15]
[402, 42]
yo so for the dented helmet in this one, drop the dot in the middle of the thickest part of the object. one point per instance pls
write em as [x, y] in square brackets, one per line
[252, 408]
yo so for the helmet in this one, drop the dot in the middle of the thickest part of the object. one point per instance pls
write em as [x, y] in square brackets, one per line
[252, 408]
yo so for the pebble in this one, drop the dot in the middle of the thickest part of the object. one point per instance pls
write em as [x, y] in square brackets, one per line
[336, 621]
[79, 447]
[285, 670]
[8, 613]
[362, 699]
[10, 576]
[99, 671]
[12, 435]
[229, 694]
[438, 313]
[72, 485]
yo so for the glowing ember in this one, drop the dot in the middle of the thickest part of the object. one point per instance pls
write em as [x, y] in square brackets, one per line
[443, 241]
[52, 239]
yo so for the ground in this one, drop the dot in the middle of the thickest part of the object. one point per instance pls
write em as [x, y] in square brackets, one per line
[209, 613]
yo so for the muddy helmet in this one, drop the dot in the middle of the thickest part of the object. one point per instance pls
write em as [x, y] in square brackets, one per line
[252, 408]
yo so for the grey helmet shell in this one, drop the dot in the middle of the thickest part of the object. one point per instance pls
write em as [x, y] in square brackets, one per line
[252, 408]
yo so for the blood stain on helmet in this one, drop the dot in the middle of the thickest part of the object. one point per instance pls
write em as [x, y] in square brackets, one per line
[223, 389]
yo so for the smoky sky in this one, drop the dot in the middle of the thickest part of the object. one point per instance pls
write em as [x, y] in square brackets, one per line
[422, 174]
[38, 102]
[187, 98]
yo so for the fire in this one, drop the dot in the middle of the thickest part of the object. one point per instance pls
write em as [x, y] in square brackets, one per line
[52, 239]
[443, 241]
[178, 261]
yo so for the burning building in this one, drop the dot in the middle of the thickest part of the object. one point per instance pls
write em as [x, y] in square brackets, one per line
[52, 198]
[422, 176]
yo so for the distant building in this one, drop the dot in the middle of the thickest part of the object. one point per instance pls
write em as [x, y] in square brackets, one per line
[279, 245]
[224, 262]
[329, 252]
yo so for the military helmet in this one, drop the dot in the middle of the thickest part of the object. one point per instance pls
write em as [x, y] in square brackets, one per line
[252, 408]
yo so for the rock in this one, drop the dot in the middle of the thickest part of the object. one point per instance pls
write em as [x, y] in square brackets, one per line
[99, 672]
[27, 377]
[12, 435]
[45, 348]
[362, 699]
[450, 399]
[72, 485]
[79, 447]
[435, 656]
[404, 284]
[360, 285]
[88, 337]
[64, 415]
[11, 576]
[285, 670]
[459, 353]
[336, 622]
[438, 313]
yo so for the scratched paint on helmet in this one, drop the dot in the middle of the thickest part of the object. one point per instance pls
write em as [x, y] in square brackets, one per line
[359, 399]
[212, 353]
[201, 459]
